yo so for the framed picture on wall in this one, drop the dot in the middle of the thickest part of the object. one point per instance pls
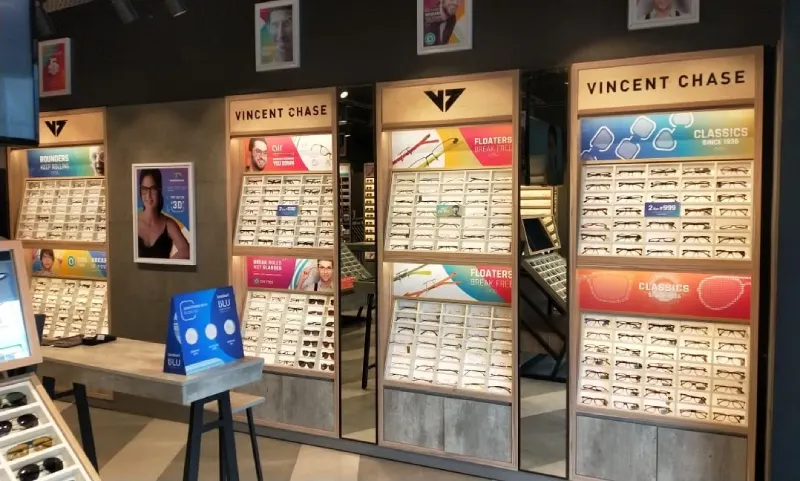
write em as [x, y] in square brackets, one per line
[277, 28]
[443, 26]
[164, 214]
[662, 13]
[55, 67]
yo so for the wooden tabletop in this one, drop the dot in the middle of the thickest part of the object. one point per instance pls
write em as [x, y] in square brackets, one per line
[136, 368]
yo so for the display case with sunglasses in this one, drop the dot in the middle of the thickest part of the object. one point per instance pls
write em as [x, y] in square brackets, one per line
[35, 442]
[285, 218]
[446, 314]
[665, 264]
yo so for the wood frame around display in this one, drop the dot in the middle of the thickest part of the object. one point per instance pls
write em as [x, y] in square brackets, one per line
[748, 94]
[493, 98]
[23, 284]
[276, 124]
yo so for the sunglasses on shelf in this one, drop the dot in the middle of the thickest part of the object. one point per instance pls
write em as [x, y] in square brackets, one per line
[13, 400]
[32, 472]
[23, 449]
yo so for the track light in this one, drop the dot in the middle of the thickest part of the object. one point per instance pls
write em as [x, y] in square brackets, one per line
[44, 25]
[176, 7]
[125, 10]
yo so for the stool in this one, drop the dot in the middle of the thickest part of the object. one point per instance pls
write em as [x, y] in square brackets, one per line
[243, 402]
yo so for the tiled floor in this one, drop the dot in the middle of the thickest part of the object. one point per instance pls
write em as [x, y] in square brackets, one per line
[135, 448]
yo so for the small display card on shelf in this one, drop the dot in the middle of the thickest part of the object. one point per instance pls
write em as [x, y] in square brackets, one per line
[203, 331]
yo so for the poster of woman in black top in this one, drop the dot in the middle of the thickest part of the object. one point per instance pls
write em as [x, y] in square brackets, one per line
[163, 226]
[662, 13]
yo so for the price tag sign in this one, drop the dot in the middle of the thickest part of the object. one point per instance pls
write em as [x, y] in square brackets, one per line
[287, 211]
[203, 331]
[662, 209]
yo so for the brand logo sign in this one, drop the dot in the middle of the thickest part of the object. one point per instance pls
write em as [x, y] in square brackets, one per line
[55, 126]
[444, 99]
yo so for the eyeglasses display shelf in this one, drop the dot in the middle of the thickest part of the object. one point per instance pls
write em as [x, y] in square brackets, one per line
[552, 269]
[369, 202]
[466, 347]
[467, 211]
[350, 267]
[694, 210]
[290, 329]
[695, 371]
[71, 306]
[32, 445]
[63, 210]
[286, 211]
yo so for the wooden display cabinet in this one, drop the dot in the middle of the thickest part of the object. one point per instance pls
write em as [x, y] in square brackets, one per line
[666, 174]
[447, 161]
[283, 224]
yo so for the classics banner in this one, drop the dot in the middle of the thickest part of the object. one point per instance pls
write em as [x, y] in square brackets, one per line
[704, 296]
[669, 135]
[466, 283]
[69, 263]
[288, 153]
[458, 147]
[66, 162]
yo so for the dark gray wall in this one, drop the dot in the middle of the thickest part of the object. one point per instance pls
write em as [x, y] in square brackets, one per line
[169, 132]
[209, 52]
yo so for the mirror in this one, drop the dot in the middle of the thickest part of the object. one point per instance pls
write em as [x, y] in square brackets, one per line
[357, 263]
[543, 313]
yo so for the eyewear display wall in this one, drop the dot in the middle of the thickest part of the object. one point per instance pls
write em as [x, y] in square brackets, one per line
[58, 203]
[447, 212]
[284, 223]
[666, 187]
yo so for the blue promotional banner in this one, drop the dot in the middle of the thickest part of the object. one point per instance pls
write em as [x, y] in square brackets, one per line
[712, 133]
[662, 209]
[204, 331]
[66, 162]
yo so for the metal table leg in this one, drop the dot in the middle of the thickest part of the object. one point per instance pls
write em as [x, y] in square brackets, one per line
[85, 423]
[367, 342]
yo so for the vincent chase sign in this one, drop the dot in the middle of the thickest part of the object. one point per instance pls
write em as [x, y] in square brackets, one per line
[280, 114]
[712, 79]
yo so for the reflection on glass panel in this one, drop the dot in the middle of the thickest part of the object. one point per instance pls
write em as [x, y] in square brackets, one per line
[357, 263]
[543, 319]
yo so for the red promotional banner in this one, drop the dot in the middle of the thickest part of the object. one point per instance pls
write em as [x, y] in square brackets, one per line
[708, 296]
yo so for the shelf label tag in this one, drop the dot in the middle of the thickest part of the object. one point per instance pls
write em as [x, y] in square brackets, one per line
[448, 210]
[662, 209]
[287, 211]
[204, 331]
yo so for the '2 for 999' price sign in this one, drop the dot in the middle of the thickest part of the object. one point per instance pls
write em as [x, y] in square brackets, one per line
[662, 209]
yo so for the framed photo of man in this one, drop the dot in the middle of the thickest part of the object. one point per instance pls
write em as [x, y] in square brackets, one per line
[277, 29]
[662, 13]
[164, 214]
[443, 26]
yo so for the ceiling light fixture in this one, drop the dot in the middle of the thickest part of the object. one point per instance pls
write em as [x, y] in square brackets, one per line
[344, 94]
[44, 25]
[176, 7]
[125, 10]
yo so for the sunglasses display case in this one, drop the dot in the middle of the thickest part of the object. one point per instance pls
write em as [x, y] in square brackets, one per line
[71, 306]
[288, 199]
[447, 267]
[350, 267]
[35, 443]
[290, 330]
[345, 192]
[665, 265]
